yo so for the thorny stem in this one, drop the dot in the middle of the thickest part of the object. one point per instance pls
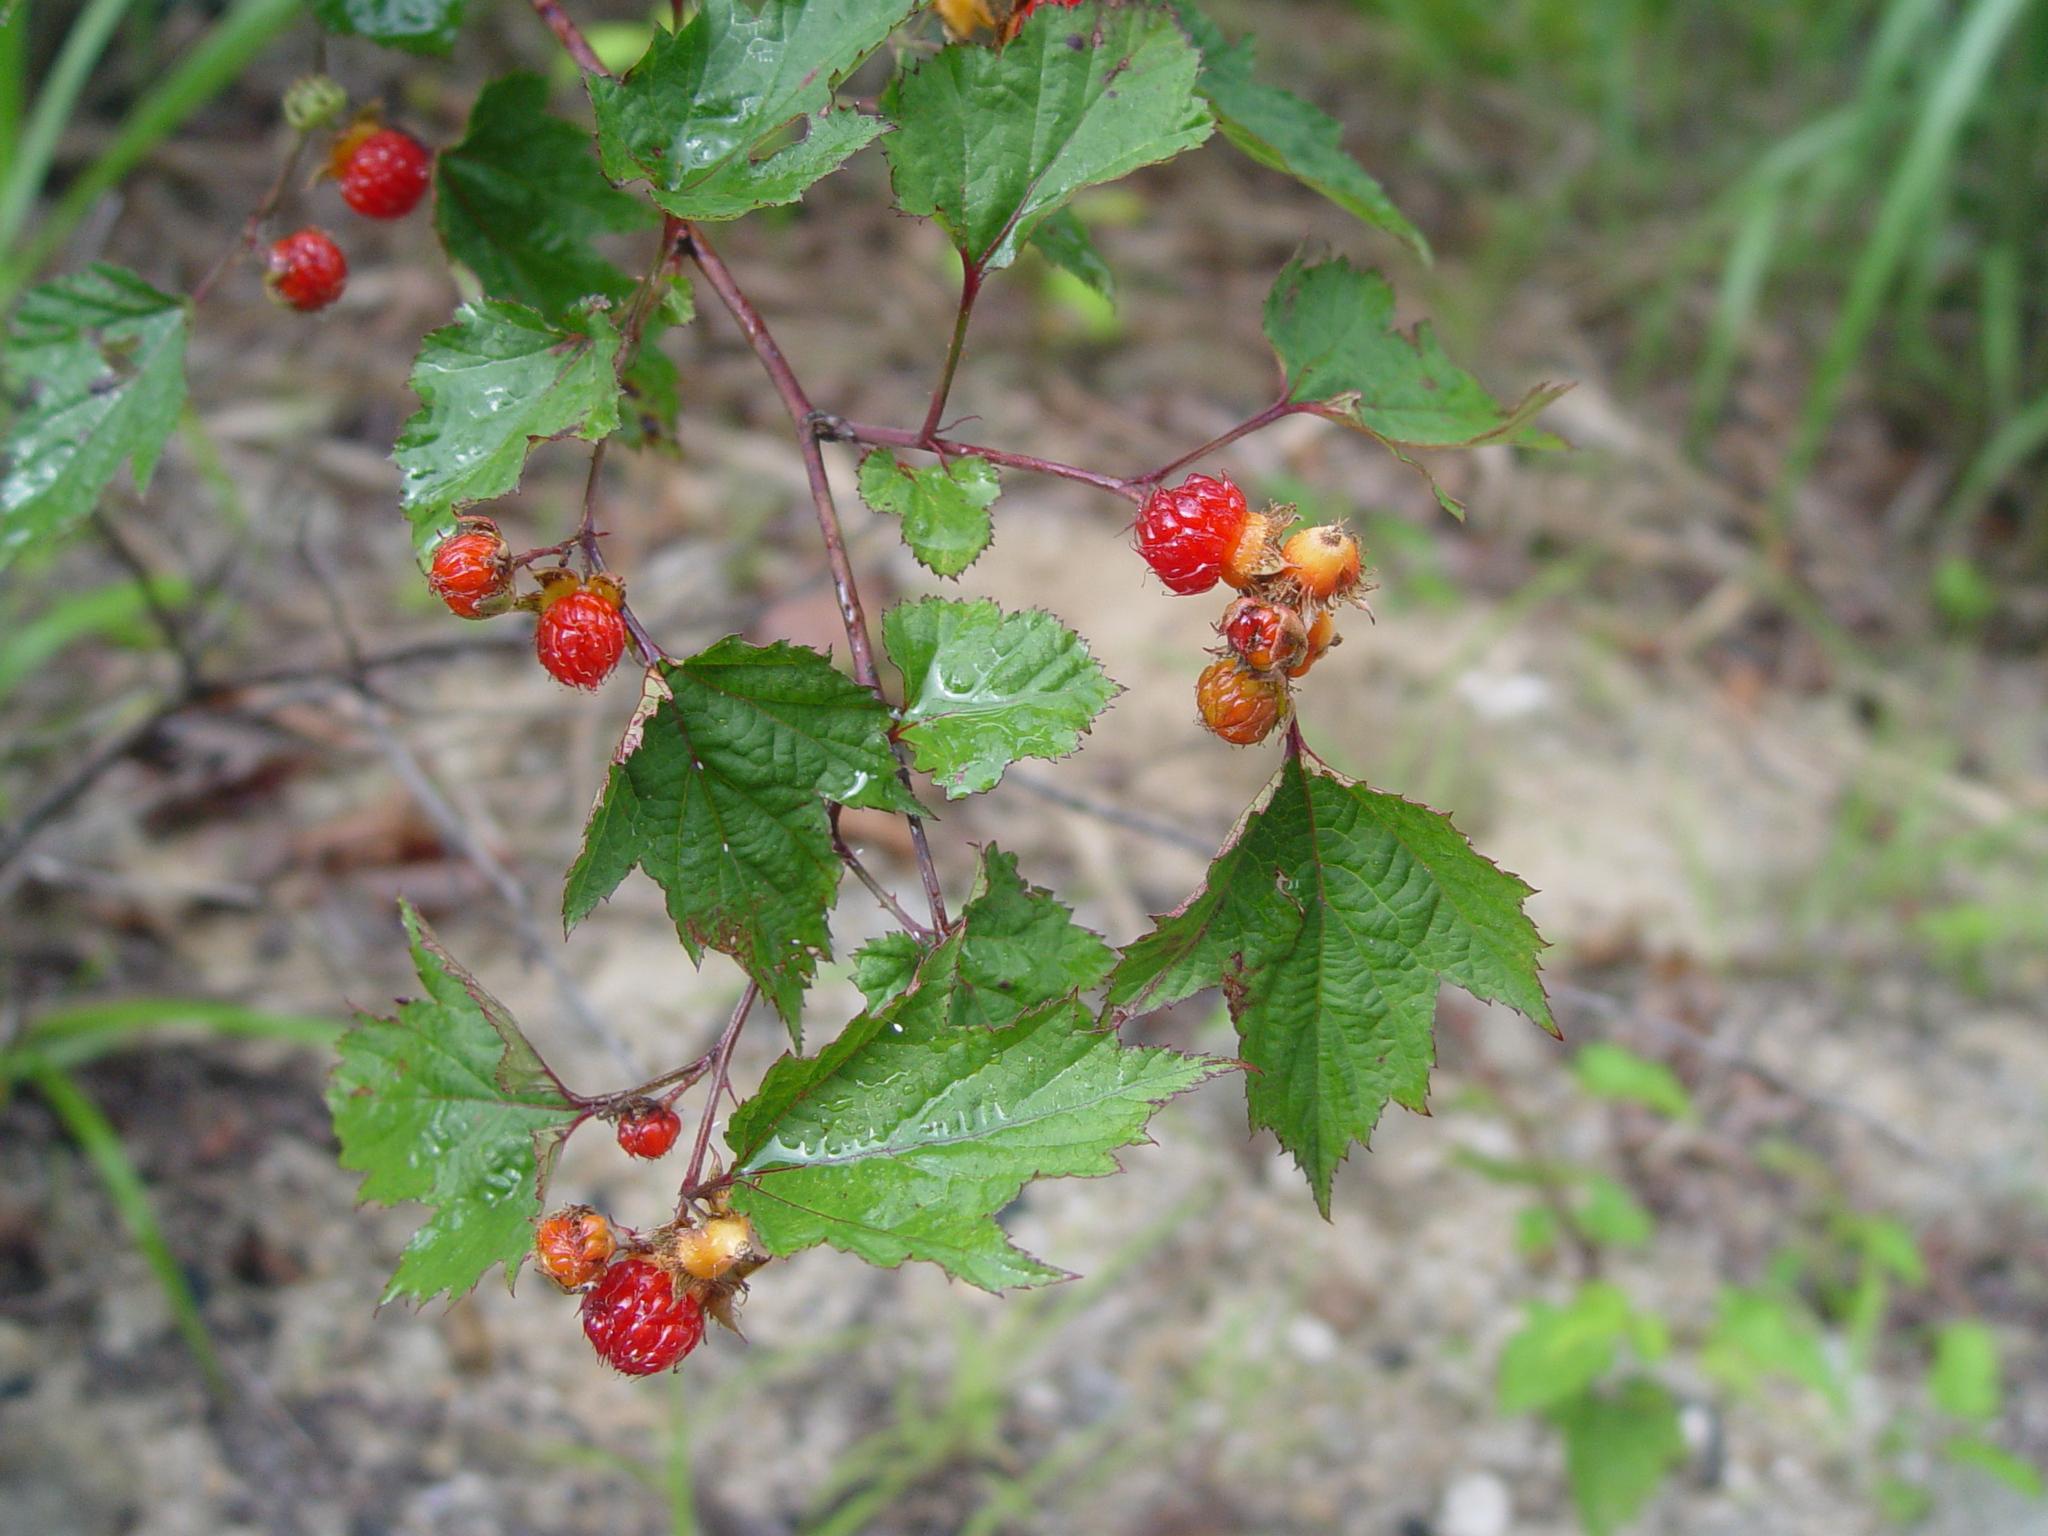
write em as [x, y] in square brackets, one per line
[721, 1069]
[806, 420]
[970, 290]
[252, 226]
[903, 437]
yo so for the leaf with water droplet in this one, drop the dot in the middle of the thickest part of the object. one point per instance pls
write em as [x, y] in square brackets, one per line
[982, 688]
[491, 385]
[944, 507]
[905, 1136]
[449, 1104]
[719, 792]
[1330, 921]
[95, 364]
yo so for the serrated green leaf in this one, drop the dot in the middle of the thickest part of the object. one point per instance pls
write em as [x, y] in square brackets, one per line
[418, 26]
[1561, 1351]
[1284, 133]
[983, 688]
[1613, 1072]
[1014, 947]
[993, 141]
[884, 968]
[448, 1104]
[1330, 922]
[2016, 1472]
[1965, 1380]
[1063, 240]
[692, 114]
[906, 1135]
[650, 400]
[1619, 1447]
[718, 791]
[492, 384]
[944, 507]
[95, 376]
[520, 199]
[1332, 325]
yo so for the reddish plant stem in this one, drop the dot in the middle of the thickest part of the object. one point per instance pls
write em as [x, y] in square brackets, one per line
[721, 1069]
[879, 891]
[903, 437]
[970, 290]
[572, 38]
[252, 226]
[1245, 428]
[593, 558]
[807, 422]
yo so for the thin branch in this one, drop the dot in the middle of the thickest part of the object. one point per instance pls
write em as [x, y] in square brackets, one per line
[167, 622]
[252, 227]
[571, 36]
[587, 536]
[902, 437]
[1272, 413]
[879, 891]
[970, 289]
[721, 1070]
[806, 421]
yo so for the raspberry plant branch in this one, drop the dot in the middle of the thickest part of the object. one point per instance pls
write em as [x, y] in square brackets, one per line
[879, 891]
[586, 540]
[571, 36]
[970, 289]
[805, 419]
[252, 227]
[721, 1072]
[1272, 413]
[840, 430]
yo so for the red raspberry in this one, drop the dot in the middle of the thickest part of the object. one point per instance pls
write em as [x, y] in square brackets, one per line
[648, 1130]
[472, 569]
[1238, 705]
[1264, 635]
[572, 1246]
[1187, 532]
[1321, 636]
[306, 270]
[637, 1321]
[581, 636]
[1025, 7]
[1323, 563]
[383, 172]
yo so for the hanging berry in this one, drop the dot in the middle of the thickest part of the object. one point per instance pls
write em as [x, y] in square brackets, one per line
[306, 270]
[581, 635]
[1321, 636]
[383, 172]
[1238, 704]
[637, 1319]
[572, 1246]
[472, 570]
[648, 1130]
[1187, 532]
[1322, 563]
[712, 1251]
[1265, 636]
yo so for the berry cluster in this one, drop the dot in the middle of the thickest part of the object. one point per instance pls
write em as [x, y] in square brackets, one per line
[645, 1299]
[382, 173]
[1202, 531]
[582, 631]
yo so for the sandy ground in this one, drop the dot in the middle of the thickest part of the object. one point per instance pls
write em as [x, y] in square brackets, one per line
[1585, 675]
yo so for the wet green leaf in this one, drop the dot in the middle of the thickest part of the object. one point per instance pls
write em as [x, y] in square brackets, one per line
[983, 688]
[992, 141]
[944, 507]
[448, 1104]
[1330, 922]
[418, 26]
[719, 792]
[94, 368]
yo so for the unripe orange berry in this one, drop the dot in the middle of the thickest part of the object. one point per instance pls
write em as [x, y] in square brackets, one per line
[1253, 554]
[1321, 636]
[1237, 704]
[573, 1245]
[1323, 562]
[712, 1251]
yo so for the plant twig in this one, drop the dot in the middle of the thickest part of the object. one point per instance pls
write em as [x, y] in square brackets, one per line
[879, 891]
[721, 1069]
[806, 420]
[252, 227]
[903, 437]
[1272, 413]
[970, 289]
[587, 536]
[571, 36]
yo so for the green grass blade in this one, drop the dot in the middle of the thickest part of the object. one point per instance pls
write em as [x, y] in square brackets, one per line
[2002, 318]
[1742, 283]
[118, 611]
[1911, 191]
[13, 76]
[211, 65]
[55, 102]
[101, 1144]
[73, 1036]
[2025, 435]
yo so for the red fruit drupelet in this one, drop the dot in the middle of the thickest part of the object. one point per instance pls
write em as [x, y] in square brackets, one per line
[1025, 7]
[649, 1132]
[637, 1321]
[306, 270]
[384, 173]
[580, 637]
[471, 568]
[1187, 531]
